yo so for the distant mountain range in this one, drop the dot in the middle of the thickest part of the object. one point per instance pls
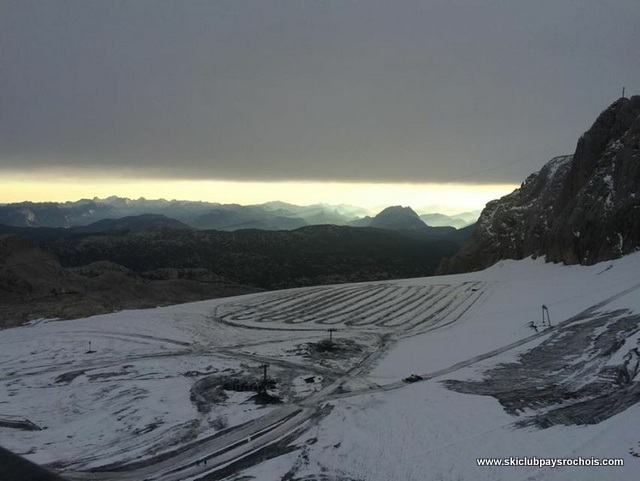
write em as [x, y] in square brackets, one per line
[578, 209]
[458, 221]
[201, 215]
[79, 258]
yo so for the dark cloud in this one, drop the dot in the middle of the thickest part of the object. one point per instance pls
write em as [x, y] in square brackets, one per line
[358, 90]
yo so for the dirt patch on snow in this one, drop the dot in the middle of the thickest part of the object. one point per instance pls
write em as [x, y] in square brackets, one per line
[583, 373]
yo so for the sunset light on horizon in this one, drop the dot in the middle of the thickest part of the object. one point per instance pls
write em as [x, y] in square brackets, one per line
[445, 198]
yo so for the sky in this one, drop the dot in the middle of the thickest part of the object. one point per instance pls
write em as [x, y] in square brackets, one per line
[418, 102]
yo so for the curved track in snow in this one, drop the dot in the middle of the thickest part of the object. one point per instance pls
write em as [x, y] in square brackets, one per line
[356, 306]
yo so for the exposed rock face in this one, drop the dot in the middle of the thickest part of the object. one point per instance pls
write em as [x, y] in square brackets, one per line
[583, 208]
[599, 206]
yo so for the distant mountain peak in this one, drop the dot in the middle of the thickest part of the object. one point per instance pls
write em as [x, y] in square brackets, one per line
[398, 208]
[398, 217]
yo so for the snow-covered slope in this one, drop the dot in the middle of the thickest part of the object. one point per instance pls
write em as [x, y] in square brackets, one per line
[146, 394]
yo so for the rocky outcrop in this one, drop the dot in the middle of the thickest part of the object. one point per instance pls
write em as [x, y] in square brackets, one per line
[599, 206]
[578, 209]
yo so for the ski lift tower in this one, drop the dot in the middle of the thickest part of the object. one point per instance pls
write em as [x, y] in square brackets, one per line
[263, 386]
[331, 331]
[545, 309]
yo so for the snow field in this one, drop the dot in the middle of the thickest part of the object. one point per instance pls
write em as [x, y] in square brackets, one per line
[130, 398]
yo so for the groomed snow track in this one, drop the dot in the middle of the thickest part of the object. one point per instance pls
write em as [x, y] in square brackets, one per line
[356, 306]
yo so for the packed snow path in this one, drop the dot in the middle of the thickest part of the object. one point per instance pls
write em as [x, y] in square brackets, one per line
[353, 306]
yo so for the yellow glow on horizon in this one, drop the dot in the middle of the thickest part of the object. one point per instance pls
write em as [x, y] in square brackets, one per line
[447, 198]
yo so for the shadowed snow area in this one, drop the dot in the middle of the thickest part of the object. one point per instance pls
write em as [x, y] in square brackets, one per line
[409, 380]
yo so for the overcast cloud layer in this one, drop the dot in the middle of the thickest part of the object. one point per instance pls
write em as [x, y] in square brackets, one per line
[419, 91]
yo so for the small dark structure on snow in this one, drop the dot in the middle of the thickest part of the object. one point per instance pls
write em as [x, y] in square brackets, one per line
[548, 321]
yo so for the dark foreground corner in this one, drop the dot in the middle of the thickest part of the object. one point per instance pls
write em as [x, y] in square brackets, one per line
[16, 468]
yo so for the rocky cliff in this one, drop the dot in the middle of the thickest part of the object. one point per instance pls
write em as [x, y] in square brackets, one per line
[583, 208]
